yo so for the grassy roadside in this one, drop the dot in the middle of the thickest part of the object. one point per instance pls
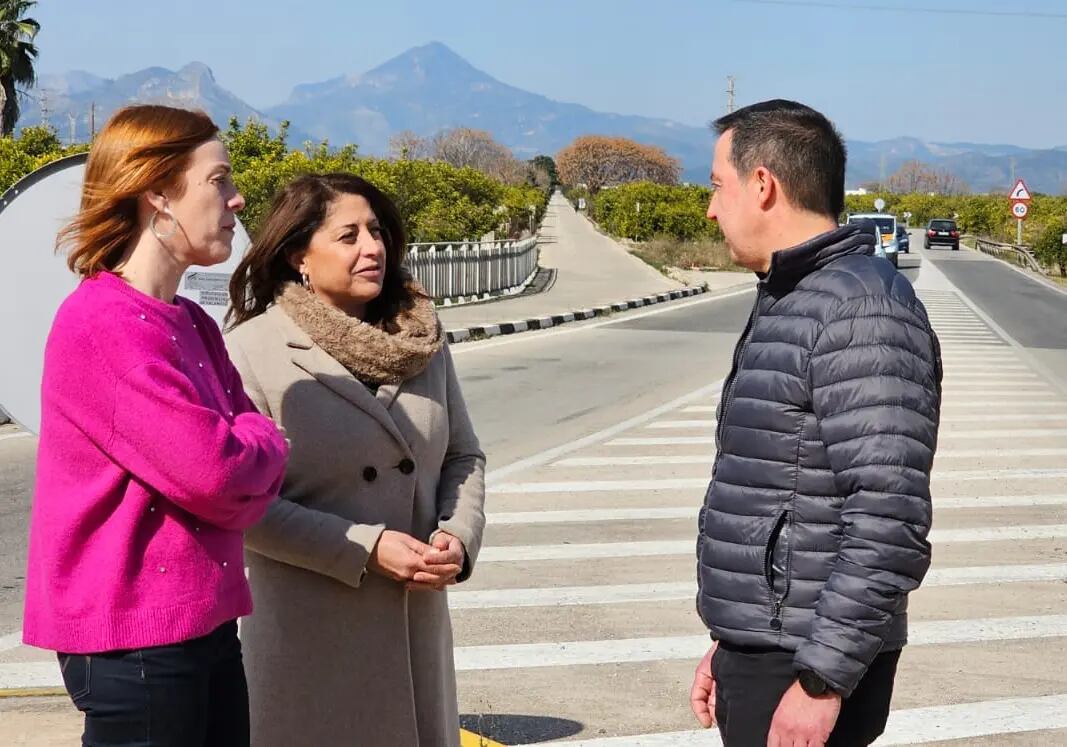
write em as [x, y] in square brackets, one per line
[662, 253]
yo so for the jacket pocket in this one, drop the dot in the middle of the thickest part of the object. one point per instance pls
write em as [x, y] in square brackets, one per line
[776, 566]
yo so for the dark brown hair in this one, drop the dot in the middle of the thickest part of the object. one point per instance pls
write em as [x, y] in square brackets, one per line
[141, 148]
[798, 145]
[299, 210]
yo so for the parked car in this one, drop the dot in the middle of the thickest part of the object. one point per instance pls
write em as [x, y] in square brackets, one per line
[942, 231]
[884, 228]
[903, 240]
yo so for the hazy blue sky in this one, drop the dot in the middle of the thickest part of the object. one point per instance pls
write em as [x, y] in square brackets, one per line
[981, 70]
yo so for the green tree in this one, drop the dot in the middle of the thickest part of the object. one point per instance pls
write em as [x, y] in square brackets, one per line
[1049, 247]
[17, 56]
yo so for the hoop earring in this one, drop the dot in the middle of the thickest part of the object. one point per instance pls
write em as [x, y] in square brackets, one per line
[305, 280]
[155, 231]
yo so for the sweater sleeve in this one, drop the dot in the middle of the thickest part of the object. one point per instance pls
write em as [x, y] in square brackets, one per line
[224, 472]
[875, 378]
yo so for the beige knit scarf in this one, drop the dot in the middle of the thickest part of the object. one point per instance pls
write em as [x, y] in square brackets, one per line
[390, 352]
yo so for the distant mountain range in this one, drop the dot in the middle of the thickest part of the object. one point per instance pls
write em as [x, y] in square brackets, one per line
[430, 88]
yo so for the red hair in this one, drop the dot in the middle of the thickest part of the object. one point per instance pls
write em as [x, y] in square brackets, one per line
[141, 148]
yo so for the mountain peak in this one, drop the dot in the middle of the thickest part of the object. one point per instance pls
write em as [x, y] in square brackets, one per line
[430, 61]
[196, 71]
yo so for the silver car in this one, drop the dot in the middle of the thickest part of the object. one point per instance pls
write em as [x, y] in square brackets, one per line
[884, 227]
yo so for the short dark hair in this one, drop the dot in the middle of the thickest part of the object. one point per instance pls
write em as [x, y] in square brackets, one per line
[800, 146]
[297, 213]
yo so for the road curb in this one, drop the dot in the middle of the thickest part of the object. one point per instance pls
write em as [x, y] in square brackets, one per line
[464, 334]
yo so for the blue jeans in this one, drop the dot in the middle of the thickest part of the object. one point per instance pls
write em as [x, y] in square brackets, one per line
[190, 694]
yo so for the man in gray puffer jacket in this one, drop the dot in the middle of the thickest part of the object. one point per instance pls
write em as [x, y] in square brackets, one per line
[814, 526]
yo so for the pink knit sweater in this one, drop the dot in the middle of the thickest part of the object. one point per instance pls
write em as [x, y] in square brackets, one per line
[152, 460]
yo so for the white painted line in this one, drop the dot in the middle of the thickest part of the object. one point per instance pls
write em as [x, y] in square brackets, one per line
[998, 452]
[949, 419]
[544, 457]
[1023, 353]
[659, 548]
[956, 404]
[700, 483]
[12, 436]
[662, 441]
[982, 388]
[1000, 534]
[912, 726]
[995, 379]
[592, 515]
[1016, 433]
[628, 650]
[623, 461]
[997, 574]
[707, 459]
[966, 337]
[645, 549]
[950, 476]
[653, 513]
[674, 424]
[1000, 501]
[954, 369]
[571, 596]
[601, 486]
[10, 641]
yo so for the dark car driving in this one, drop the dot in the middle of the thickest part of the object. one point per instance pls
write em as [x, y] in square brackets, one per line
[903, 240]
[942, 231]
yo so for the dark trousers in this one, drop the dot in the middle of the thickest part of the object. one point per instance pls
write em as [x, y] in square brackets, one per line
[750, 684]
[191, 694]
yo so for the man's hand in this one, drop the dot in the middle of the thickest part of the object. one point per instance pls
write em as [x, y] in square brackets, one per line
[702, 696]
[803, 721]
[443, 562]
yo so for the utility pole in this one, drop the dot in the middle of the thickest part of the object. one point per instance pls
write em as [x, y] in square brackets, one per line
[45, 109]
[730, 94]
[92, 121]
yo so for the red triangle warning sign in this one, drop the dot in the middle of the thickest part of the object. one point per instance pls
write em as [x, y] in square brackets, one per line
[1020, 191]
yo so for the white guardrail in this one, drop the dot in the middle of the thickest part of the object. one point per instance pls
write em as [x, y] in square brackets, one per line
[464, 270]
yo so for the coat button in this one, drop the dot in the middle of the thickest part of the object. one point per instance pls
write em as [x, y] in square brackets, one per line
[370, 474]
[406, 466]
[776, 624]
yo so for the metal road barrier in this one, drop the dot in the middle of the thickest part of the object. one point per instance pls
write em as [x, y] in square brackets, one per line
[460, 270]
[1018, 255]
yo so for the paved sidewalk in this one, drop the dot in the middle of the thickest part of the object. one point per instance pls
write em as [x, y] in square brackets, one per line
[591, 270]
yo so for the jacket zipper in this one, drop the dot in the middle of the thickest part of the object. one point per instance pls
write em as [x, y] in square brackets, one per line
[777, 600]
[738, 354]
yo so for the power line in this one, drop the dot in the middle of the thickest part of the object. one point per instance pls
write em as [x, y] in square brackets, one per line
[907, 9]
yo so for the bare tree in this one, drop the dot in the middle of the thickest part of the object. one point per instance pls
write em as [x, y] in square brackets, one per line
[915, 176]
[407, 146]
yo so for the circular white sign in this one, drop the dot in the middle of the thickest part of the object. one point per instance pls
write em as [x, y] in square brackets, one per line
[36, 278]
[1019, 210]
[879, 204]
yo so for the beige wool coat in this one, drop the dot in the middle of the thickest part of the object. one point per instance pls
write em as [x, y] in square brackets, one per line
[336, 655]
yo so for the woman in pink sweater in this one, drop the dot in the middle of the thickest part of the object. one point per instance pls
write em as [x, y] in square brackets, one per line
[152, 460]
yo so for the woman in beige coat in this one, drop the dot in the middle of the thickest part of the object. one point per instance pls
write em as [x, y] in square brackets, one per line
[381, 509]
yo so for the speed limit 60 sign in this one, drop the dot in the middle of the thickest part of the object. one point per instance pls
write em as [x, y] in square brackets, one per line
[1019, 209]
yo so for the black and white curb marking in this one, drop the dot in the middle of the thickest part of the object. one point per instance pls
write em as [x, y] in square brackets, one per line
[510, 328]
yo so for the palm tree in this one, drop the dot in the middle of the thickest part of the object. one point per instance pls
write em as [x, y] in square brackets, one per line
[17, 55]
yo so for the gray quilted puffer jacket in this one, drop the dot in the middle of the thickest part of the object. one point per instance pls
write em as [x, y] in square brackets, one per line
[814, 526]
